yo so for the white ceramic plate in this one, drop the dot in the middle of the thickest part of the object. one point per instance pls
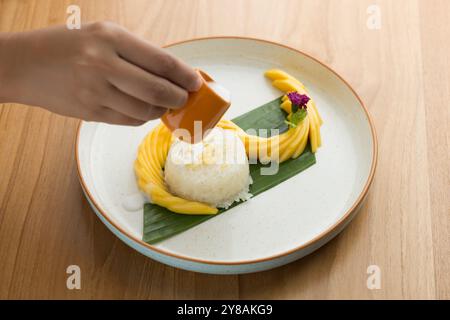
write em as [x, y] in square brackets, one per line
[282, 224]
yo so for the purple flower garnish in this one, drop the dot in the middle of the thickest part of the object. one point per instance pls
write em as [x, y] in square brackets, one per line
[297, 99]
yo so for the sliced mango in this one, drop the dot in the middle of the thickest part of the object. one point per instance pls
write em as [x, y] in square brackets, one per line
[286, 105]
[287, 83]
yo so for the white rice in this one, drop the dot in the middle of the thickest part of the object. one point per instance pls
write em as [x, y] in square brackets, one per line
[214, 171]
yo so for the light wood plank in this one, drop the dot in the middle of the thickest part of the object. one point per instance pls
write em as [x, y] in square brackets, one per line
[402, 73]
[436, 73]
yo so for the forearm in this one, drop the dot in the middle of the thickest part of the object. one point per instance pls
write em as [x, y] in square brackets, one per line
[18, 61]
[4, 67]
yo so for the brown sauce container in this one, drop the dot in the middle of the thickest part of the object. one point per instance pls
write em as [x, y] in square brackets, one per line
[202, 112]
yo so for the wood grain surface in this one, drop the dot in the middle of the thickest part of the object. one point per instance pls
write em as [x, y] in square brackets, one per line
[401, 71]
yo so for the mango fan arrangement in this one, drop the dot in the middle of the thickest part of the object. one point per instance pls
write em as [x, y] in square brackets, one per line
[188, 184]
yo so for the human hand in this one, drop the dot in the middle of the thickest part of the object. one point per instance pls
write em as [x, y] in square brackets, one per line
[98, 73]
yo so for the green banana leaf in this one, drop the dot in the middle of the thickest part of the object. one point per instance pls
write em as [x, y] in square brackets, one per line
[160, 223]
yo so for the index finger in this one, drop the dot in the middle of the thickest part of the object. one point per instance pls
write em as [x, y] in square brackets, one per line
[158, 61]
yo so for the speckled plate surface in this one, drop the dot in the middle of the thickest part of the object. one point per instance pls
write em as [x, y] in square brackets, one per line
[282, 224]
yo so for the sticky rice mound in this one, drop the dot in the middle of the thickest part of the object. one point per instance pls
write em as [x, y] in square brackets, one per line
[214, 171]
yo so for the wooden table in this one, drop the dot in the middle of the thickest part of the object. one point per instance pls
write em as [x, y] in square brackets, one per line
[401, 71]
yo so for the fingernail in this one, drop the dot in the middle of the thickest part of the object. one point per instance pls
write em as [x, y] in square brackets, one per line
[197, 84]
[183, 100]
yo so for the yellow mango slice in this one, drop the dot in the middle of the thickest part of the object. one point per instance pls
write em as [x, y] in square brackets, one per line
[286, 105]
[287, 85]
